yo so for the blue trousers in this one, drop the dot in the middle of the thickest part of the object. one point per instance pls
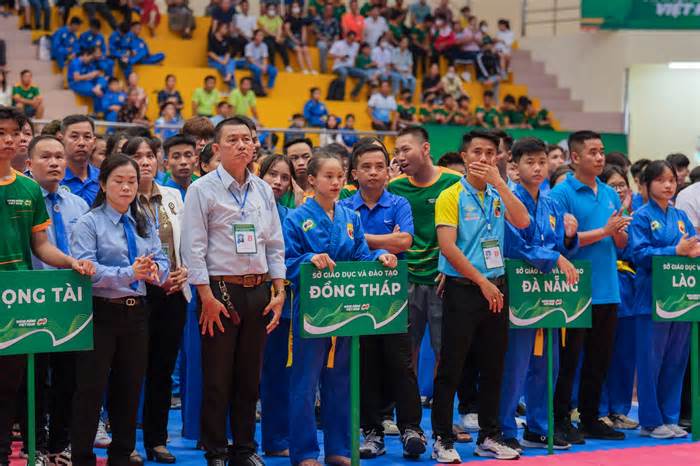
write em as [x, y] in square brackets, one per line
[274, 390]
[616, 395]
[525, 373]
[85, 88]
[60, 56]
[106, 65]
[228, 69]
[662, 356]
[258, 72]
[406, 82]
[309, 370]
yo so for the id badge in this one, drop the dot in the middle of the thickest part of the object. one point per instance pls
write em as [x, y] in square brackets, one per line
[492, 254]
[244, 236]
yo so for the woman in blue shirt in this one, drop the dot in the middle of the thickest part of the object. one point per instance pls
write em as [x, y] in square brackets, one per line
[322, 232]
[659, 229]
[127, 252]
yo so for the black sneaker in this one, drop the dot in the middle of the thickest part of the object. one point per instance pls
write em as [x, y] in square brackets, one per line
[246, 459]
[513, 443]
[532, 440]
[601, 431]
[568, 432]
[413, 443]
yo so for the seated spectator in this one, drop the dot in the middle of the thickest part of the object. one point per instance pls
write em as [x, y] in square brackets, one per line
[168, 116]
[367, 6]
[258, 62]
[223, 111]
[450, 108]
[419, 11]
[93, 38]
[364, 62]
[64, 42]
[381, 57]
[219, 54]
[432, 83]
[382, 107]
[222, 13]
[327, 31]
[315, 111]
[443, 36]
[420, 46]
[467, 42]
[427, 113]
[86, 80]
[453, 161]
[298, 122]
[350, 136]
[295, 37]
[343, 53]
[140, 55]
[537, 119]
[133, 111]
[339, 9]
[398, 11]
[514, 116]
[204, 99]
[332, 123]
[681, 163]
[5, 90]
[402, 68]
[181, 18]
[504, 44]
[444, 10]
[452, 83]
[353, 21]
[171, 94]
[464, 114]
[396, 27]
[113, 99]
[405, 111]
[375, 26]
[464, 14]
[272, 25]
[26, 96]
[488, 68]
[119, 45]
[40, 7]
[132, 83]
[244, 27]
[150, 15]
[488, 115]
[243, 101]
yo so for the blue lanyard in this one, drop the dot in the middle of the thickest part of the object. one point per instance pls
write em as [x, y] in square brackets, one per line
[487, 217]
[245, 195]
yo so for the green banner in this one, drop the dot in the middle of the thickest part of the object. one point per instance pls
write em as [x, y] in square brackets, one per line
[45, 311]
[358, 298]
[546, 300]
[641, 14]
[675, 284]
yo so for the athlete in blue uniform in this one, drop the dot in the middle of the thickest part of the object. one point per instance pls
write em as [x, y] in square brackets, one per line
[94, 39]
[659, 229]
[63, 42]
[322, 232]
[120, 45]
[138, 51]
[113, 100]
[86, 80]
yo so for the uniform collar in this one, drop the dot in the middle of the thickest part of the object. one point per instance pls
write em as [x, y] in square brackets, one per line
[525, 196]
[578, 185]
[92, 172]
[155, 194]
[229, 180]
[384, 200]
[488, 191]
[115, 216]
[59, 192]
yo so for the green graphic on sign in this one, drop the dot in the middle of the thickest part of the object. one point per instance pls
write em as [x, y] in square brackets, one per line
[358, 298]
[45, 311]
[675, 283]
[545, 300]
[641, 14]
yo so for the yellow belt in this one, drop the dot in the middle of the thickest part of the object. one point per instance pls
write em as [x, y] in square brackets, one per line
[290, 342]
[624, 266]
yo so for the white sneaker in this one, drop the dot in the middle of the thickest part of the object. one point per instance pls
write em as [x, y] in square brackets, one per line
[678, 431]
[470, 422]
[41, 459]
[495, 448]
[289, 69]
[444, 451]
[660, 432]
[305, 71]
[314, 72]
[102, 438]
[520, 422]
[61, 459]
[390, 427]
[621, 421]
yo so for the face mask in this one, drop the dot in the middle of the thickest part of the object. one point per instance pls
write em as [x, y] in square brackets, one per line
[384, 44]
[484, 29]
[438, 23]
[450, 75]
[271, 12]
[295, 10]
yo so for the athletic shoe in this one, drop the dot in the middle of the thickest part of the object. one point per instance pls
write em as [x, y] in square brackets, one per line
[685, 423]
[444, 451]
[620, 421]
[513, 443]
[575, 416]
[606, 419]
[61, 459]
[660, 432]
[532, 440]
[288, 69]
[520, 423]
[40, 459]
[568, 432]
[373, 445]
[102, 439]
[495, 448]
[600, 430]
[413, 443]
[470, 422]
[678, 431]
[246, 459]
[390, 427]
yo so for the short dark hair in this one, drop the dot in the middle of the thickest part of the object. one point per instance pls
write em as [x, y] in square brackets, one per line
[288, 144]
[199, 127]
[208, 77]
[75, 20]
[75, 119]
[95, 23]
[638, 167]
[488, 93]
[678, 160]
[416, 131]
[654, 170]
[177, 140]
[51, 128]
[611, 170]
[111, 80]
[23, 72]
[35, 141]
[314, 89]
[86, 51]
[247, 78]
[479, 134]
[578, 138]
[558, 172]
[168, 76]
[231, 121]
[361, 149]
[509, 99]
[528, 146]
[503, 136]
[450, 158]
[694, 175]
[617, 158]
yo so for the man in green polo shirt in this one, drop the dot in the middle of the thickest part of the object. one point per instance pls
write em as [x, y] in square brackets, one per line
[205, 99]
[488, 115]
[26, 96]
[243, 99]
[25, 221]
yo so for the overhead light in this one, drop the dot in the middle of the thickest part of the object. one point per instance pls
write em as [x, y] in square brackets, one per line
[684, 65]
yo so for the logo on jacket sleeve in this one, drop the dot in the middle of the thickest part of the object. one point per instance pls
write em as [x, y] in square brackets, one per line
[497, 208]
[351, 231]
[553, 222]
[681, 226]
[655, 225]
[307, 225]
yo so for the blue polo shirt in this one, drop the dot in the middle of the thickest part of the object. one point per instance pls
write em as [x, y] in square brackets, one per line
[390, 210]
[593, 211]
[87, 189]
[476, 220]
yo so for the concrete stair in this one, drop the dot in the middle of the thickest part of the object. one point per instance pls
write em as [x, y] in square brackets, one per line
[570, 112]
[22, 54]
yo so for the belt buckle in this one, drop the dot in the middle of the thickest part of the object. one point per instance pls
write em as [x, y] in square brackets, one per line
[249, 281]
[130, 302]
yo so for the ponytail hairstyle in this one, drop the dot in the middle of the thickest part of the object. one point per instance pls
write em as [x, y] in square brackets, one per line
[319, 158]
[108, 166]
[654, 170]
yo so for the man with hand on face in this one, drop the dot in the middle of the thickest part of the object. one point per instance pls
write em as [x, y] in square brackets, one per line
[180, 155]
[78, 136]
[602, 228]
[232, 245]
[470, 221]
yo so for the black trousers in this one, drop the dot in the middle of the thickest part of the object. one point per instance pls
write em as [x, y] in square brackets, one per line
[274, 48]
[166, 322]
[597, 343]
[12, 370]
[41, 372]
[467, 322]
[92, 8]
[119, 357]
[231, 366]
[385, 362]
[468, 390]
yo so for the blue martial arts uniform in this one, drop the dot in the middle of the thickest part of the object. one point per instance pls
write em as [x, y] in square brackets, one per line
[140, 55]
[110, 99]
[85, 88]
[89, 39]
[63, 44]
[315, 113]
[662, 347]
[120, 48]
[525, 370]
[309, 231]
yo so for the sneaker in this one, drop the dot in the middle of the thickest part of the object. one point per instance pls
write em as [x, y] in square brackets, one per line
[620, 421]
[600, 430]
[678, 431]
[314, 72]
[390, 427]
[41, 459]
[413, 443]
[373, 445]
[102, 440]
[246, 459]
[568, 432]
[606, 419]
[513, 443]
[305, 71]
[470, 422]
[495, 448]
[520, 422]
[533, 440]
[444, 451]
[288, 69]
[61, 459]
[660, 432]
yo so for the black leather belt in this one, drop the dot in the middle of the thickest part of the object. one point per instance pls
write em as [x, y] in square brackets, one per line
[498, 281]
[128, 301]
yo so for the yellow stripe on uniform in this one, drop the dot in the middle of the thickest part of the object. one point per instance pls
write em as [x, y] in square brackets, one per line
[331, 353]
[539, 342]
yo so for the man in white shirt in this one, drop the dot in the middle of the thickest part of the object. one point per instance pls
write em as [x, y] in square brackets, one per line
[375, 26]
[402, 68]
[381, 56]
[344, 52]
[243, 28]
[257, 60]
[382, 107]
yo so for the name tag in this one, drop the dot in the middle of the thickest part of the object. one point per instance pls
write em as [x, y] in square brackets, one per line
[244, 236]
[492, 254]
